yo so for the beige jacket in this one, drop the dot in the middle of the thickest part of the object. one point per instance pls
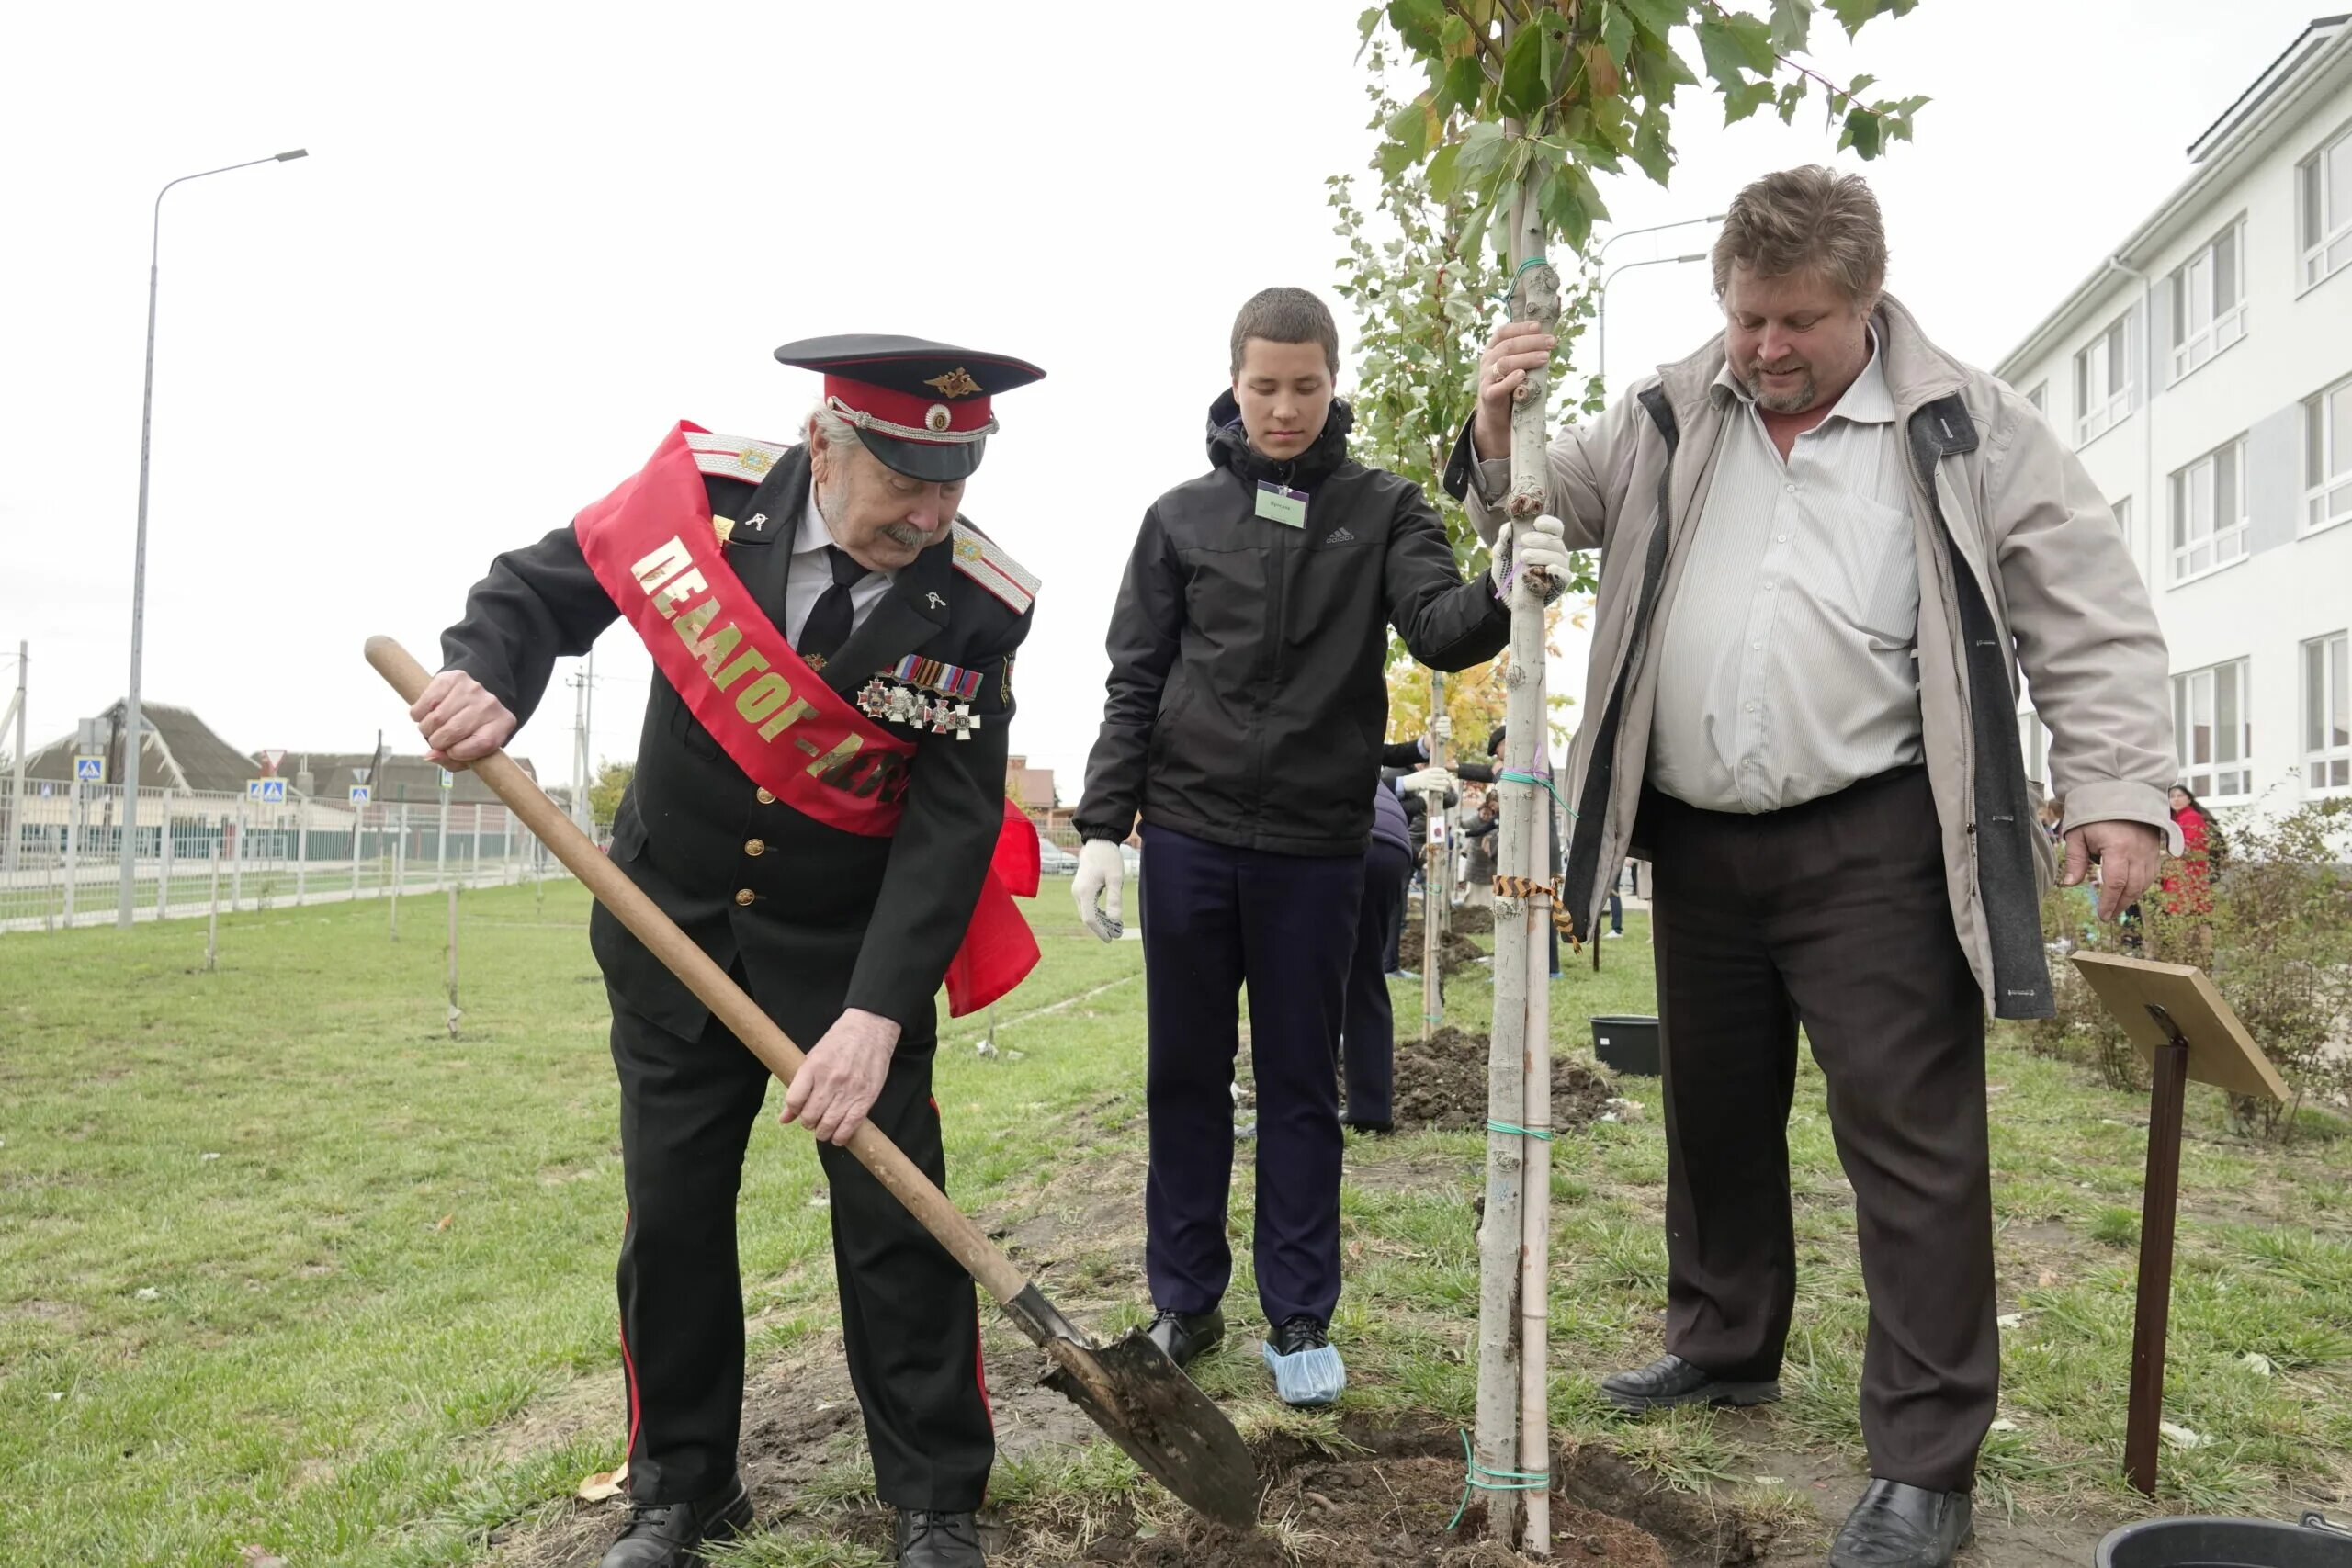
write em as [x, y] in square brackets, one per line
[2015, 545]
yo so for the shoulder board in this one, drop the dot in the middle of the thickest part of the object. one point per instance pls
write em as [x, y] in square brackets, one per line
[733, 456]
[978, 558]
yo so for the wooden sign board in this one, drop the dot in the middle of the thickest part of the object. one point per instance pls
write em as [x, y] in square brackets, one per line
[2220, 1052]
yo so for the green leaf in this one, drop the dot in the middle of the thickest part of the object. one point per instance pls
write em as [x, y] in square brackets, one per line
[1792, 22]
[1523, 93]
[1441, 173]
[1746, 98]
[1617, 33]
[1861, 133]
[1409, 130]
[1464, 83]
[1481, 156]
[1852, 14]
[1722, 53]
[1658, 17]
[1792, 96]
[1651, 150]
[1755, 39]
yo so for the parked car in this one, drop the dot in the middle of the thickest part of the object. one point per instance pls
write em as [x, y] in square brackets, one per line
[1054, 861]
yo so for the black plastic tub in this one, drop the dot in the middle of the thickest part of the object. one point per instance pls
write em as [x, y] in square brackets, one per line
[2227, 1543]
[1627, 1044]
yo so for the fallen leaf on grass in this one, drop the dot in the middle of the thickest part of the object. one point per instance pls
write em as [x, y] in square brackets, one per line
[259, 1557]
[148, 1293]
[2010, 1320]
[2004, 1425]
[444, 1222]
[2045, 1280]
[2257, 1363]
[2181, 1437]
[604, 1484]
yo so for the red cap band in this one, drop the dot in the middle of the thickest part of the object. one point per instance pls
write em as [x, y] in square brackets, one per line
[943, 416]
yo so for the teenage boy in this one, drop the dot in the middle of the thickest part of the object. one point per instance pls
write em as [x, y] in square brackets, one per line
[1247, 702]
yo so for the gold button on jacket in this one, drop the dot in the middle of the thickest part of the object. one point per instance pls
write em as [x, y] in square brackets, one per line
[755, 846]
[743, 896]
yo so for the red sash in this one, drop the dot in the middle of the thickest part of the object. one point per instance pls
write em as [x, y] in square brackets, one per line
[652, 547]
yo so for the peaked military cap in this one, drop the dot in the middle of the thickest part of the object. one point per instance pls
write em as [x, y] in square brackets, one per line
[921, 407]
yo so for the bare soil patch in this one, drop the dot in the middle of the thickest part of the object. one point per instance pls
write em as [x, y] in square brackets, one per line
[1456, 951]
[1441, 1083]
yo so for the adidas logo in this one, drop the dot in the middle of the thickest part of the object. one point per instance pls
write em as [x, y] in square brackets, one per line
[1340, 536]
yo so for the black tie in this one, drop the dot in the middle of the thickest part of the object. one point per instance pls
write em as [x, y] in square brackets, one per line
[829, 623]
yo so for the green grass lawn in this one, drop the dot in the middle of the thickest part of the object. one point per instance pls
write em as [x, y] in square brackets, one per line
[282, 1264]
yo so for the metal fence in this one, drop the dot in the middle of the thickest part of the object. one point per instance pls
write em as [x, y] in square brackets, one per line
[60, 853]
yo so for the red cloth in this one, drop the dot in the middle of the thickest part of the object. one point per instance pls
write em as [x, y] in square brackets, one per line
[2195, 868]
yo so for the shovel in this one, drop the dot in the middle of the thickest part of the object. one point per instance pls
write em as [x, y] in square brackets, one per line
[1130, 1389]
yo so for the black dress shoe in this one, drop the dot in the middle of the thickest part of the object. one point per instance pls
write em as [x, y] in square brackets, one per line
[927, 1539]
[671, 1535]
[1897, 1526]
[1670, 1381]
[1185, 1335]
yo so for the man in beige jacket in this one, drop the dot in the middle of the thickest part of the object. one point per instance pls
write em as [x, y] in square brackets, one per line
[1829, 548]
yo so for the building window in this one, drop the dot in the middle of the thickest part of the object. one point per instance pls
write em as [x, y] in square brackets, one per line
[2208, 512]
[2039, 398]
[2327, 457]
[2214, 731]
[2327, 712]
[2325, 200]
[2107, 378]
[2209, 300]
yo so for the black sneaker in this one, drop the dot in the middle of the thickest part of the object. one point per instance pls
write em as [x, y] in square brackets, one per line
[1185, 1335]
[928, 1540]
[671, 1535]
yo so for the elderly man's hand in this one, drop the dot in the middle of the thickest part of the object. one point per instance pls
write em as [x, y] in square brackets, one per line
[1516, 349]
[837, 1085]
[2127, 855]
[460, 721]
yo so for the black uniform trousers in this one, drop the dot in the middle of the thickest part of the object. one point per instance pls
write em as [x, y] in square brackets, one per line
[1833, 915]
[910, 1322]
[1215, 917]
[1368, 1032]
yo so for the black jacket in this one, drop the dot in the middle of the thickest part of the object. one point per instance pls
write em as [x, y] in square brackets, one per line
[1248, 692]
[833, 920]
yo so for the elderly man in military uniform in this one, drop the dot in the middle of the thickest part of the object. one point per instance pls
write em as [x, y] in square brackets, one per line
[818, 803]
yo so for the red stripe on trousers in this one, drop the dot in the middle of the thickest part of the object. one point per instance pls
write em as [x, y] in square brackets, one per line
[629, 1369]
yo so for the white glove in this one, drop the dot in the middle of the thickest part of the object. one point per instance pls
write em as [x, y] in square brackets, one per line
[1427, 778]
[1444, 727]
[1100, 871]
[1540, 550]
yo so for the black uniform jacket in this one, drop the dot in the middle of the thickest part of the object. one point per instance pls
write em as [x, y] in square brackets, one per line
[1247, 688]
[820, 919]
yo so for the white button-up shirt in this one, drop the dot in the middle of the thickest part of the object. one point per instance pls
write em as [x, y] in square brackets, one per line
[811, 572]
[1788, 668]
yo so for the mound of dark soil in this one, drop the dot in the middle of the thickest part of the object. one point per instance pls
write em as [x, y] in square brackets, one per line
[1473, 919]
[1384, 1506]
[1455, 951]
[1442, 1082]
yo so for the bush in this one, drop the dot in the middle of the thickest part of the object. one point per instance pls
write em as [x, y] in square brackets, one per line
[2276, 943]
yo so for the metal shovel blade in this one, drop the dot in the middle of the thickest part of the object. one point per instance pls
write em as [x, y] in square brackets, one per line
[1145, 1403]
[1163, 1421]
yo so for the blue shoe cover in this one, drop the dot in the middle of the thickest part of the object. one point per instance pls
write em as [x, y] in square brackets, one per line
[1308, 1378]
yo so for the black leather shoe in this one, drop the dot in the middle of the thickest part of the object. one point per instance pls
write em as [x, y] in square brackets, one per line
[1670, 1381]
[1186, 1335]
[1897, 1526]
[671, 1535]
[927, 1540]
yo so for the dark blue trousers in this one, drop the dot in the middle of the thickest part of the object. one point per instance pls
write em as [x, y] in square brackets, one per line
[1368, 1035]
[1214, 919]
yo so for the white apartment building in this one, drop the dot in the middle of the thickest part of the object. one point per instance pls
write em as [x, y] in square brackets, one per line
[2204, 375]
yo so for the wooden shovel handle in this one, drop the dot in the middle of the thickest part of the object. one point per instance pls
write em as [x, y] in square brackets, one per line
[987, 1263]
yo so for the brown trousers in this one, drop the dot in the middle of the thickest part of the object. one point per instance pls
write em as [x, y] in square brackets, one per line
[1831, 915]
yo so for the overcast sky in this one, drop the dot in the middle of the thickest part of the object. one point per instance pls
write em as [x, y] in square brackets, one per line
[529, 238]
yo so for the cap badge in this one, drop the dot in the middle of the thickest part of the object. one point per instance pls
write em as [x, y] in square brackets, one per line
[956, 383]
[938, 416]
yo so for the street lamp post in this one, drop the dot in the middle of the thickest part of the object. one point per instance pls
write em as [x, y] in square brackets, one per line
[134, 737]
[1600, 311]
[1601, 326]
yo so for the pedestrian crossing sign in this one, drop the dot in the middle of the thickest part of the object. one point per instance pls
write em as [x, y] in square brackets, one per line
[89, 769]
[269, 791]
[359, 794]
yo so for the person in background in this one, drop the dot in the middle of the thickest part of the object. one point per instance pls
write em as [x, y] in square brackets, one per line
[2188, 884]
[1368, 1027]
